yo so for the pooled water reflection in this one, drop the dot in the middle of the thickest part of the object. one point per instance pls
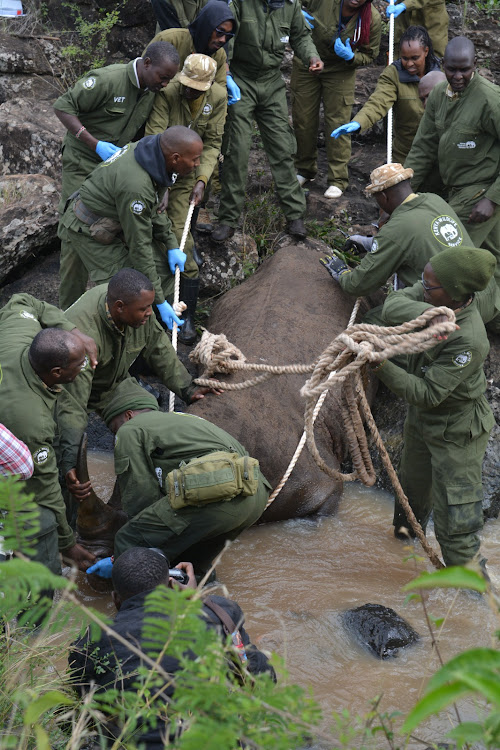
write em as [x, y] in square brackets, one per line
[292, 580]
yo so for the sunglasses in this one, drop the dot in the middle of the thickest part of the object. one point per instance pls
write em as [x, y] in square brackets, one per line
[428, 288]
[221, 32]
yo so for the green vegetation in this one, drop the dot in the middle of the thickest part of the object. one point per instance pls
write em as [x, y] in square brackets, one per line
[88, 44]
[490, 7]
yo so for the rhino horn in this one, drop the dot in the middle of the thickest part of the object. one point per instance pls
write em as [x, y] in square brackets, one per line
[97, 522]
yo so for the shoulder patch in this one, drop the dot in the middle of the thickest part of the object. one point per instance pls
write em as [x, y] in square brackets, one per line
[26, 314]
[137, 207]
[446, 231]
[207, 109]
[89, 83]
[116, 155]
[41, 455]
[462, 359]
[159, 475]
[374, 246]
[85, 363]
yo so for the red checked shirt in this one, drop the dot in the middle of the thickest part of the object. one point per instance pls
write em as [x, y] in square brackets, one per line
[15, 456]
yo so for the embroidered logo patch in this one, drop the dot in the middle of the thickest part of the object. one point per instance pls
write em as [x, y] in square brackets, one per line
[467, 144]
[26, 314]
[85, 363]
[116, 155]
[374, 246]
[207, 109]
[137, 207]
[462, 359]
[285, 39]
[41, 455]
[446, 231]
[159, 475]
[89, 83]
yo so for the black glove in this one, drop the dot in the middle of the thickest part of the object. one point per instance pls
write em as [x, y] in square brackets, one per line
[335, 266]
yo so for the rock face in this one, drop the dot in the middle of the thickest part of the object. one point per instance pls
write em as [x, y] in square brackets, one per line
[379, 629]
[28, 218]
[225, 265]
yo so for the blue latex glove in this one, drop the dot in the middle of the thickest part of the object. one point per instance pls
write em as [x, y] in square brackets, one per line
[335, 266]
[102, 568]
[168, 316]
[233, 90]
[176, 258]
[395, 10]
[308, 18]
[105, 149]
[343, 50]
[349, 127]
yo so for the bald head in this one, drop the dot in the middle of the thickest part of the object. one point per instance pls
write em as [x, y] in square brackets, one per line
[428, 82]
[459, 62]
[56, 356]
[182, 149]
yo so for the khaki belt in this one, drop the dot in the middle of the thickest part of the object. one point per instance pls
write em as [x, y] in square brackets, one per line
[103, 229]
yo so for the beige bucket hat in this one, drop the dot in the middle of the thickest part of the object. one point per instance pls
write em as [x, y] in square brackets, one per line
[386, 176]
[198, 72]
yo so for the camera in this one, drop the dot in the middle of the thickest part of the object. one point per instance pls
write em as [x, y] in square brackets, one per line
[179, 575]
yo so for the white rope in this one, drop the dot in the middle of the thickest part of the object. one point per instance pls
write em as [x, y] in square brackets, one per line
[302, 440]
[177, 290]
[391, 58]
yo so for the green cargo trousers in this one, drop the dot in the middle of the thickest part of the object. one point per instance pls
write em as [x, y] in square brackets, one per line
[192, 534]
[441, 472]
[177, 210]
[336, 90]
[72, 272]
[485, 234]
[262, 100]
[45, 542]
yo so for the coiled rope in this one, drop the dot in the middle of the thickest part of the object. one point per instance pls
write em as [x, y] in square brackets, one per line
[341, 362]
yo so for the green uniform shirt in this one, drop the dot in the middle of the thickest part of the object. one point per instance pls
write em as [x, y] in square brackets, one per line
[28, 404]
[183, 43]
[171, 108]
[152, 444]
[326, 23]
[262, 35]
[123, 190]
[449, 377]
[417, 230]
[462, 135]
[407, 108]
[111, 105]
[116, 351]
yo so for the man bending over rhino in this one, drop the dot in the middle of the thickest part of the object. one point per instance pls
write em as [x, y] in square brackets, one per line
[186, 484]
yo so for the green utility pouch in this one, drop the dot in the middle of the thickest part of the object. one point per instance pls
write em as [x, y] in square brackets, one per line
[216, 477]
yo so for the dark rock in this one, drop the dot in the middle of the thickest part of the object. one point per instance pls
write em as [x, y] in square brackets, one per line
[379, 629]
[225, 264]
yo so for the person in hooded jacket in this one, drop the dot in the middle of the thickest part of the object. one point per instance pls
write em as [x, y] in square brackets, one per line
[114, 223]
[207, 34]
[397, 87]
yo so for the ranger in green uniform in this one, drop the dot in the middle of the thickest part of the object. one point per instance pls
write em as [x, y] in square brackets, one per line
[398, 87]
[419, 227]
[347, 35]
[102, 112]
[193, 100]
[449, 419]
[37, 354]
[176, 14]
[263, 31]
[114, 220]
[149, 445]
[431, 14]
[119, 318]
[207, 34]
[460, 132]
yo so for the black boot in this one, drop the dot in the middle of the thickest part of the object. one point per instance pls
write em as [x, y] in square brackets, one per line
[189, 294]
[197, 257]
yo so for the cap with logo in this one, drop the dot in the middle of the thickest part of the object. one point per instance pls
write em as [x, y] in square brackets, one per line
[386, 176]
[198, 72]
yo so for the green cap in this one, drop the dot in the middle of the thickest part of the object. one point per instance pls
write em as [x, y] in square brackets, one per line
[128, 395]
[463, 270]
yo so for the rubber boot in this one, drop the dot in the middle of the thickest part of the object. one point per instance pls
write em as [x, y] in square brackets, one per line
[197, 257]
[189, 294]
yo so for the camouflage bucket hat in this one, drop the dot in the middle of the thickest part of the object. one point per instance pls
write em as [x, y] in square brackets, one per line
[198, 72]
[386, 176]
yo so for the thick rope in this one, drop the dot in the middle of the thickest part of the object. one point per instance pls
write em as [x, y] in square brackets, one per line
[390, 112]
[178, 306]
[342, 361]
[284, 479]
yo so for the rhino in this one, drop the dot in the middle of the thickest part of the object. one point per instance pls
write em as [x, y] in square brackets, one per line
[380, 630]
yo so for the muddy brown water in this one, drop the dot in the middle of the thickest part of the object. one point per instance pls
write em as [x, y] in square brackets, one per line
[294, 578]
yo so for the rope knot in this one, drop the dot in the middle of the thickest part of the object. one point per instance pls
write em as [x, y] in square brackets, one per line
[213, 352]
